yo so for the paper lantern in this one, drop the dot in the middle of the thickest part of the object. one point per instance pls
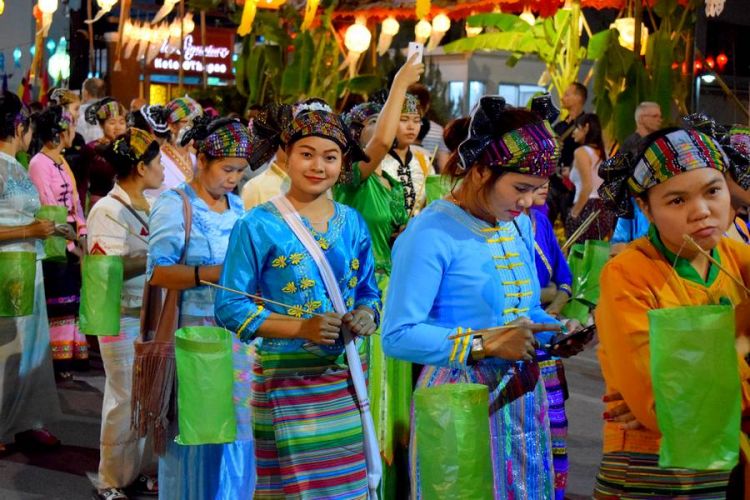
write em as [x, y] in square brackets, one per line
[714, 8]
[248, 16]
[388, 30]
[58, 66]
[188, 25]
[528, 16]
[2, 7]
[721, 61]
[626, 27]
[422, 31]
[164, 10]
[47, 6]
[473, 31]
[311, 8]
[440, 26]
[357, 38]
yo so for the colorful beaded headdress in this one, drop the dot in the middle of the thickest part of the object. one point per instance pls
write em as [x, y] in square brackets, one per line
[156, 117]
[103, 110]
[22, 117]
[360, 113]
[220, 138]
[183, 108]
[66, 121]
[134, 144]
[411, 106]
[673, 152]
[531, 149]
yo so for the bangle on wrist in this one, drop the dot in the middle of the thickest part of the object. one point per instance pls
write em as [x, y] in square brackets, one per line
[197, 276]
[371, 315]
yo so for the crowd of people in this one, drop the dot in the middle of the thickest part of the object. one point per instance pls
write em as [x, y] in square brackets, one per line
[373, 245]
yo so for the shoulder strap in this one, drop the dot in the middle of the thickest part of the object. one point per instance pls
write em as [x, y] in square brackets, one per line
[372, 453]
[131, 210]
[187, 214]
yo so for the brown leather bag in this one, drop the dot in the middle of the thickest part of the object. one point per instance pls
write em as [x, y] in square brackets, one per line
[154, 367]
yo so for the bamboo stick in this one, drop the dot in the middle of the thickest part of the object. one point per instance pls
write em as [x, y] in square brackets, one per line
[258, 297]
[581, 229]
[126, 228]
[534, 327]
[715, 262]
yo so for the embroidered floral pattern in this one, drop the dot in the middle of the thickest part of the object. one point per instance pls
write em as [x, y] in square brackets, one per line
[355, 264]
[313, 305]
[350, 302]
[296, 258]
[290, 288]
[353, 281]
[306, 283]
[295, 311]
[279, 262]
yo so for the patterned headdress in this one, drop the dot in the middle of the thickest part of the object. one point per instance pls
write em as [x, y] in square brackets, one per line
[63, 96]
[531, 149]
[103, 110]
[156, 117]
[22, 117]
[66, 121]
[360, 113]
[220, 138]
[412, 106]
[183, 108]
[671, 153]
[134, 144]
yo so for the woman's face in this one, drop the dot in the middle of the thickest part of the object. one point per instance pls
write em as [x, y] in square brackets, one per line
[74, 108]
[314, 165]
[512, 194]
[152, 172]
[368, 130]
[694, 203]
[408, 129]
[24, 136]
[220, 177]
[579, 133]
[113, 127]
[67, 137]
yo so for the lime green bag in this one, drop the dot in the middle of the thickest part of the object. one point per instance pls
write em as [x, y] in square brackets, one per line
[54, 246]
[102, 277]
[453, 441]
[436, 187]
[17, 279]
[696, 386]
[205, 377]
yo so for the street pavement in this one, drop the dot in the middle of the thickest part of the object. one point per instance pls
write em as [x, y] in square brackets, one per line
[65, 472]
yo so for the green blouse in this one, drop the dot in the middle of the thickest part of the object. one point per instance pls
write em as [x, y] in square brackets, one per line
[382, 208]
[682, 265]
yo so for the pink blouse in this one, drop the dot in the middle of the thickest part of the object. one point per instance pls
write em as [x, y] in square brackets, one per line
[57, 186]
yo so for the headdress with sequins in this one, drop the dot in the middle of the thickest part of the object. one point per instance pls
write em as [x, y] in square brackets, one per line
[63, 97]
[135, 145]
[219, 138]
[156, 118]
[667, 153]
[183, 108]
[103, 110]
[412, 106]
[531, 149]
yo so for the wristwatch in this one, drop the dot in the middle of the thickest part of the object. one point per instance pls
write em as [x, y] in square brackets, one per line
[477, 348]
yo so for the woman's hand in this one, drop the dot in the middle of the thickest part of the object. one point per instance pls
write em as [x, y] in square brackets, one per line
[409, 73]
[323, 329]
[361, 321]
[620, 412]
[571, 347]
[211, 274]
[549, 293]
[66, 231]
[514, 344]
[40, 229]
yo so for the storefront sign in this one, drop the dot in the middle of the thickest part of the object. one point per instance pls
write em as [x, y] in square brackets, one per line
[217, 52]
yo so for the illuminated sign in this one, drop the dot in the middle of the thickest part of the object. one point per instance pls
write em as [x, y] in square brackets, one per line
[217, 51]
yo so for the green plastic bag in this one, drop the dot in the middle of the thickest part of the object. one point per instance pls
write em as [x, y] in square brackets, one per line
[17, 279]
[575, 309]
[586, 261]
[696, 386]
[102, 277]
[453, 442]
[54, 246]
[436, 187]
[205, 408]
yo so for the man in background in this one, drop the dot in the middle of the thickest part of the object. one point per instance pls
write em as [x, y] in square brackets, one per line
[93, 89]
[647, 120]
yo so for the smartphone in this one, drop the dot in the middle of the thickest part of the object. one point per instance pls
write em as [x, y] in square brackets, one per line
[415, 48]
[584, 336]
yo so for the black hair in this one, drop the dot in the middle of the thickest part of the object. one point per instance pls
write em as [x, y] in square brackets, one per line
[455, 132]
[48, 125]
[594, 135]
[10, 107]
[124, 159]
[92, 110]
[581, 90]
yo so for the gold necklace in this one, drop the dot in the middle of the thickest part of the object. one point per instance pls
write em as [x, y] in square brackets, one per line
[185, 166]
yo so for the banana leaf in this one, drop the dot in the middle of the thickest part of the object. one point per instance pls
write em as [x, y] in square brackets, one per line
[362, 84]
[513, 41]
[503, 22]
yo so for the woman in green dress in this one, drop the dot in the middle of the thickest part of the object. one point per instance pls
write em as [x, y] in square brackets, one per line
[379, 197]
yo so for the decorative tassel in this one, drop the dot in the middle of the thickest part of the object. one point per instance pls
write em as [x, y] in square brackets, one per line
[423, 8]
[248, 16]
[164, 11]
[153, 395]
[311, 8]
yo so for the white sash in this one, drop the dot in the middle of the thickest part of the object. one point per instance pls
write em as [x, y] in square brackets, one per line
[372, 453]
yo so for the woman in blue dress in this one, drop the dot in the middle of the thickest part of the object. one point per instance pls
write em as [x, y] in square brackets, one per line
[206, 471]
[467, 262]
[308, 429]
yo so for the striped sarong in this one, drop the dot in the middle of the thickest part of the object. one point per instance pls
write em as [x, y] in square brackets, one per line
[519, 429]
[553, 375]
[308, 431]
[638, 476]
